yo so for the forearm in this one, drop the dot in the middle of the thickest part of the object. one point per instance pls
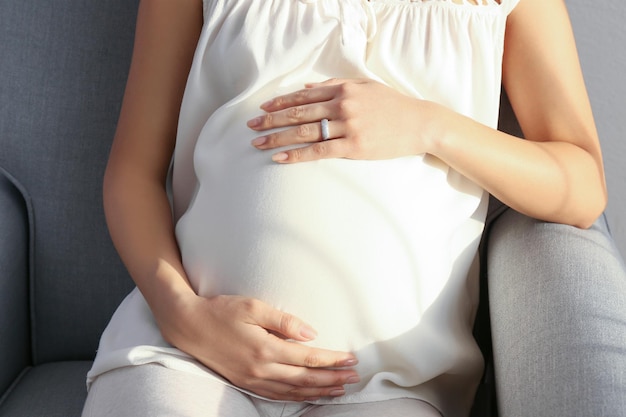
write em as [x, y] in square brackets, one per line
[140, 223]
[553, 180]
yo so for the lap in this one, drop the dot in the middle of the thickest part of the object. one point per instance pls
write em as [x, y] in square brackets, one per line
[156, 391]
[401, 407]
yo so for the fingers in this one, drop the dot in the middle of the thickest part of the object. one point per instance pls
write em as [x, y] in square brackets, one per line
[285, 324]
[305, 379]
[302, 112]
[314, 93]
[304, 106]
[285, 370]
[292, 327]
[291, 116]
[305, 385]
[295, 354]
[321, 150]
[281, 381]
[304, 133]
[253, 355]
[334, 81]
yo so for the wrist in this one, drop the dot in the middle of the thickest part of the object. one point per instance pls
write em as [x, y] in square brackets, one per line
[169, 296]
[432, 128]
[175, 317]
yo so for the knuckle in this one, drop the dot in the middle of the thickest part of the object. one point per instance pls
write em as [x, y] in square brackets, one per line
[358, 143]
[245, 374]
[351, 125]
[221, 299]
[287, 322]
[346, 88]
[269, 119]
[302, 95]
[340, 379]
[254, 372]
[296, 154]
[320, 150]
[309, 381]
[248, 304]
[295, 113]
[312, 360]
[303, 131]
[272, 139]
[294, 393]
[251, 306]
[345, 108]
[278, 102]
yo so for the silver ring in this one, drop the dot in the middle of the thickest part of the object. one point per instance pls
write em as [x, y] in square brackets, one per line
[325, 132]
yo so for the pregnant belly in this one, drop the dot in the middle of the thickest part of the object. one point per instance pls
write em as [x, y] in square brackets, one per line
[358, 249]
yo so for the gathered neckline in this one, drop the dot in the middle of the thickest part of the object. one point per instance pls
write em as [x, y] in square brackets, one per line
[452, 3]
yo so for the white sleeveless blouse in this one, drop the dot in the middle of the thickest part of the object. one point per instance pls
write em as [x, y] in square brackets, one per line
[373, 254]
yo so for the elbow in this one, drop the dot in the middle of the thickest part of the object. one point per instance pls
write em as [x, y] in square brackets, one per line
[587, 222]
[592, 209]
[587, 198]
[577, 206]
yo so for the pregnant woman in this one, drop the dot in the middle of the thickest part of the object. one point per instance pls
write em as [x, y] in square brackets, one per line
[332, 161]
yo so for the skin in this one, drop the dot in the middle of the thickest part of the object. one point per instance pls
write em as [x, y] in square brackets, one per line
[555, 175]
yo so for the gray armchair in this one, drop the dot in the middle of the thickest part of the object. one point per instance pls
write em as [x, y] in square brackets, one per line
[63, 66]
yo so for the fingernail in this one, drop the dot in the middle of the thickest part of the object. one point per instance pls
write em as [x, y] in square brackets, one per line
[280, 157]
[255, 122]
[267, 103]
[308, 333]
[353, 379]
[349, 362]
[259, 141]
[337, 392]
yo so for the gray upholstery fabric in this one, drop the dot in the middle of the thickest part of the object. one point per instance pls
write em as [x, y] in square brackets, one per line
[62, 75]
[14, 328]
[50, 390]
[558, 315]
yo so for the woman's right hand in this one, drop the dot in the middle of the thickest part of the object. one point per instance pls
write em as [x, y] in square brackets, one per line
[245, 341]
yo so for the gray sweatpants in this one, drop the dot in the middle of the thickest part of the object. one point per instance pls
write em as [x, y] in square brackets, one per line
[155, 391]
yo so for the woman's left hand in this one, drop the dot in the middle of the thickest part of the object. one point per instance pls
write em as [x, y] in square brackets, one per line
[366, 120]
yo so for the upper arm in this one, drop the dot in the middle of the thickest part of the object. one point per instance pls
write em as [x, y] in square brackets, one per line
[543, 78]
[165, 40]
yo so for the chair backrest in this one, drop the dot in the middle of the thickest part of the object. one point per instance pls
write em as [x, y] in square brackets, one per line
[63, 68]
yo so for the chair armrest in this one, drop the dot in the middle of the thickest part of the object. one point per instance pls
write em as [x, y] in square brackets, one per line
[557, 296]
[14, 323]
